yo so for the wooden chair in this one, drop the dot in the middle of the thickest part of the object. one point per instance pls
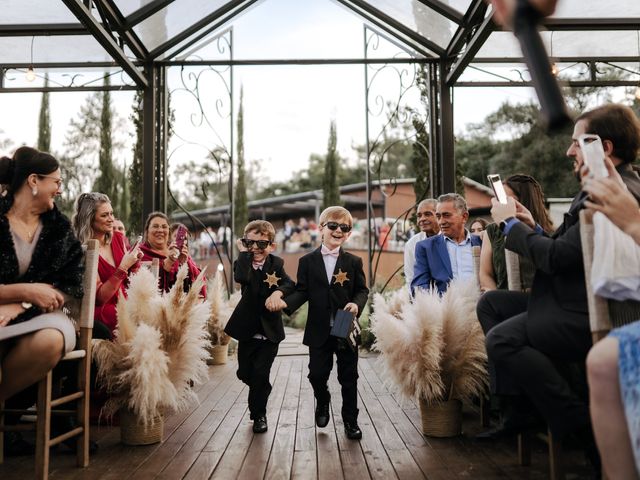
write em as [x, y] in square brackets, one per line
[485, 413]
[83, 311]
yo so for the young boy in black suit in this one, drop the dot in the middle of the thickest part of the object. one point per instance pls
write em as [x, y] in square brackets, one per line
[331, 279]
[256, 321]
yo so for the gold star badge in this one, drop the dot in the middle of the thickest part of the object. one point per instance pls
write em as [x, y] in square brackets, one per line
[340, 277]
[272, 279]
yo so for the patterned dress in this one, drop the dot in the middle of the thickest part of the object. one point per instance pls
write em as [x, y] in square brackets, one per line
[629, 372]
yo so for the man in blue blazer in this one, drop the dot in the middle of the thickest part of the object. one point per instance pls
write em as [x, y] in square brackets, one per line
[448, 256]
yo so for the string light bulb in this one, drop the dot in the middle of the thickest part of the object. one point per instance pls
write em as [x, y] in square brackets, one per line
[638, 92]
[554, 69]
[31, 74]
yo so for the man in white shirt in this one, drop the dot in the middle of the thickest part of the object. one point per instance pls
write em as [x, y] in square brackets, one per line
[426, 216]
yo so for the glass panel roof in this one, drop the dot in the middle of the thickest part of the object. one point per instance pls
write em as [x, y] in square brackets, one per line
[174, 19]
[127, 7]
[597, 9]
[461, 5]
[420, 18]
[304, 37]
[34, 12]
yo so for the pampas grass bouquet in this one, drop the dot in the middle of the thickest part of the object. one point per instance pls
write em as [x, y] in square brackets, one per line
[160, 348]
[432, 348]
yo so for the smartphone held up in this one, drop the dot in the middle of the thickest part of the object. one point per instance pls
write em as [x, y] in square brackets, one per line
[498, 188]
[593, 155]
[181, 236]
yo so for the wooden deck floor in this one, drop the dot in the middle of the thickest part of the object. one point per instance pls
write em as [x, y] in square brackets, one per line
[214, 439]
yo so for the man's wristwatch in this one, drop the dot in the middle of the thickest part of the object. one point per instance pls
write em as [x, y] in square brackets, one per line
[503, 223]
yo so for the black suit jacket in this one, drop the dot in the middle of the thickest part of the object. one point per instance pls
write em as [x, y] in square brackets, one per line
[558, 314]
[326, 298]
[250, 315]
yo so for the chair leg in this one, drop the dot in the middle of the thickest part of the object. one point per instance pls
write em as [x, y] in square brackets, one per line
[524, 449]
[556, 470]
[84, 382]
[43, 427]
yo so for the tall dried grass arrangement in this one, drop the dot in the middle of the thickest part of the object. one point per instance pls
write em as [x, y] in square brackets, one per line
[159, 348]
[431, 348]
[220, 310]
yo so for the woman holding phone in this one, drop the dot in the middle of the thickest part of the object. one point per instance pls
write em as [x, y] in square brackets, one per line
[159, 243]
[93, 219]
[493, 270]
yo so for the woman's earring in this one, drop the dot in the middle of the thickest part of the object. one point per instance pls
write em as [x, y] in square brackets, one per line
[34, 192]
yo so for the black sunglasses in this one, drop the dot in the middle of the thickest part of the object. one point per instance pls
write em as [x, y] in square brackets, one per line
[335, 225]
[261, 244]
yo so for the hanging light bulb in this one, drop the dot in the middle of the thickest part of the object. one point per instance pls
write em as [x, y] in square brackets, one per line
[638, 92]
[554, 69]
[31, 74]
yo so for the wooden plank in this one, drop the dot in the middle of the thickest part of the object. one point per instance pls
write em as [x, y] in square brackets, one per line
[233, 458]
[162, 456]
[305, 458]
[281, 458]
[403, 463]
[190, 451]
[255, 463]
[352, 458]
[208, 459]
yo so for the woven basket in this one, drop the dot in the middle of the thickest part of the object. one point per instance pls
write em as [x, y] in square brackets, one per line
[218, 354]
[441, 419]
[132, 432]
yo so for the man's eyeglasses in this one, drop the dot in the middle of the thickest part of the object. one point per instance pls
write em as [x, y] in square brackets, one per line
[335, 225]
[261, 244]
[58, 180]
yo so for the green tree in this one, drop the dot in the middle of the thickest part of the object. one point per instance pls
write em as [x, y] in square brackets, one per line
[107, 180]
[330, 191]
[125, 206]
[135, 220]
[420, 159]
[240, 208]
[44, 120]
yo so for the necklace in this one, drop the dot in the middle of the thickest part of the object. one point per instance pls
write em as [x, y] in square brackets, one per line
[24, 226]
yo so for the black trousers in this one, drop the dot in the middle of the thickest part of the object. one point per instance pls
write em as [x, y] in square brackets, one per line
[536, 373]
[494, 307]
[320, 365]
[255, 358]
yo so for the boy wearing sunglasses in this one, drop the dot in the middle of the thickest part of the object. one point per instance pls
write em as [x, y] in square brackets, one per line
[256, 321]
[330, 279]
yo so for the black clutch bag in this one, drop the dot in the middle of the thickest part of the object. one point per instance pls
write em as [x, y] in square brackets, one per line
[346, 327]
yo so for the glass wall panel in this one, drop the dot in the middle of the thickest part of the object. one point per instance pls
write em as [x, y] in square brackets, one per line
[54, 49]
[598, 9]
[127, 7]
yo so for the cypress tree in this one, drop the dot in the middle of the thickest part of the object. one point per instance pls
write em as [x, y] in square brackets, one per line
[240, 208]
[136, 221]
[44, 121]
[107, 181]
[330, 191]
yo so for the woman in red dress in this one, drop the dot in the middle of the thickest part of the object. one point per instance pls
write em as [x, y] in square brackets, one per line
[94, 219]
[159, 244]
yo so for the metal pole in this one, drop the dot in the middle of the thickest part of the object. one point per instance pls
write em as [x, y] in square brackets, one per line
[370, 237]
[148, 143]
[232, 243]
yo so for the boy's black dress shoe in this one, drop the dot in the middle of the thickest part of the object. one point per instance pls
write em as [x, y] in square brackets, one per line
[322, 414]
[352, 430]
[260, 424]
